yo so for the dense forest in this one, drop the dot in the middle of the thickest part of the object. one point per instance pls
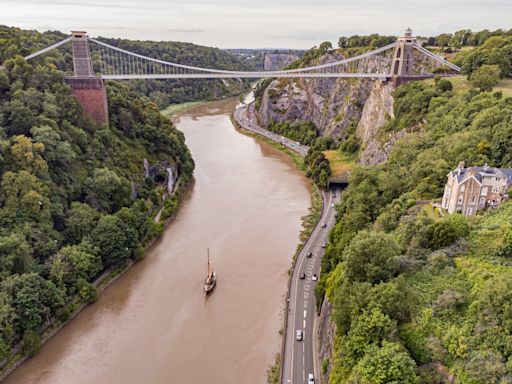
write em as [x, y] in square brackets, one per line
[161, 92]
[74, 197]
[418, 297]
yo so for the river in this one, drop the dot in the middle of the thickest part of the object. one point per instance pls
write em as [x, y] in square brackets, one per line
[153, 324]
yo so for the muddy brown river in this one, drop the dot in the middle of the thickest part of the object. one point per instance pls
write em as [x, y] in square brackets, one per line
[153, 324]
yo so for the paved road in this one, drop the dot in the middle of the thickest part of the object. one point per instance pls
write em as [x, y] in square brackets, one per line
[300, 357]
[245, 116]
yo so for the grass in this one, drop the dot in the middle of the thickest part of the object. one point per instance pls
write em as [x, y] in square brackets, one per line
[431, 212]
[339, 163]
[175, 109]
[461, 84]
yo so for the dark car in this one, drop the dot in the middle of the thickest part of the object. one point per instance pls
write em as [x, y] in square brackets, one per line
[309, 254]
[302, 276]
[324, 225]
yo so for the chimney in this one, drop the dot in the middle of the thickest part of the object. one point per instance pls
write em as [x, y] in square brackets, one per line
[460, 167]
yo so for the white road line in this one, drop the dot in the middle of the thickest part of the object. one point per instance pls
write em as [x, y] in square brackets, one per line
[305, 311]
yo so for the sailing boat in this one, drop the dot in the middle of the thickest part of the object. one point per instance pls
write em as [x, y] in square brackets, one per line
[211, 277]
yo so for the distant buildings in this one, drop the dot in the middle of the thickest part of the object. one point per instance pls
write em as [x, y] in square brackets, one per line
[469, 190]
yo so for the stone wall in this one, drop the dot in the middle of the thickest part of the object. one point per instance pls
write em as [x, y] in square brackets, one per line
[92, 95]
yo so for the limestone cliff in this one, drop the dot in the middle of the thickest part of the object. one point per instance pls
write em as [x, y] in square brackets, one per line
[332, 104]
[377, 110]
[326, 333]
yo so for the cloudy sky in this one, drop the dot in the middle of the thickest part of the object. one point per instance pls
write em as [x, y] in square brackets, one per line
[254, 23]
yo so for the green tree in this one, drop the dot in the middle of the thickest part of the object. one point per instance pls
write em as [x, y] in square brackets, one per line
[106, 190]
[81, 220]
[371, 257]
[389, 364]
[112, 240]
[485, 77]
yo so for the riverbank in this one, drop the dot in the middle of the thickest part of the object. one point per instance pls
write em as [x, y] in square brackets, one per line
[106, 279]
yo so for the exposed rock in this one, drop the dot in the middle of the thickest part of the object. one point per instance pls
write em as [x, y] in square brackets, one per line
[163, 172]
[275, 61]
[326, 333]
[332, 104]
[377, 110]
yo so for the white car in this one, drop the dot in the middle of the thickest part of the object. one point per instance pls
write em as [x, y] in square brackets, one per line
[314, 277]
[311, 379]
[299, 335]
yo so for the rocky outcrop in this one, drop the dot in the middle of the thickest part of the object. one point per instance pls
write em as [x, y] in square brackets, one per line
[163, 172]
[275, 61]
[326, 333]
[332, 104]
[377, 111]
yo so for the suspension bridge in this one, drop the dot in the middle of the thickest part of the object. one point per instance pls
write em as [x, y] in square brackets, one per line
[95, 61]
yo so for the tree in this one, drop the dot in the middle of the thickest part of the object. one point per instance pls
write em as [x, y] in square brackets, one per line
[106, 190]
[33, 299]
[371, 256]
[112, 240]
[81, 220]
[28, 155]
[14, 255]
[485, 77]
[388, 364]
[367, 330]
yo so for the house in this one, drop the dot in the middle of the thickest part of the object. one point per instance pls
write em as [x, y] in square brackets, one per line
[469, 190]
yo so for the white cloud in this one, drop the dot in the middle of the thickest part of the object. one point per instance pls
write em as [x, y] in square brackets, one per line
[262, 23]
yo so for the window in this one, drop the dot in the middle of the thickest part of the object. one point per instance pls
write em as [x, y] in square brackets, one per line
[460, 199]
[469, 211]
[484, 191]
[473, 199]
[482, 200]
[462, 188]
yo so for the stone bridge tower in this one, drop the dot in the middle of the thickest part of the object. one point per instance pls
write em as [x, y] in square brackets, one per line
[87, 88]
[403, 59]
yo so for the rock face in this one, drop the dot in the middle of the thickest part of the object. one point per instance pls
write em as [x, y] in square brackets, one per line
[377, 110]
[332, 104]
[326, 333]
[163, 172]
[275, 61]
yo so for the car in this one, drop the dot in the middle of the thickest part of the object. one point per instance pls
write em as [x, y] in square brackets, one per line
[332, 205]
[324, 225]
[314, 277]
[299, 335]
[302, 276]
[324, 244]
[311, 379]
[309, 254]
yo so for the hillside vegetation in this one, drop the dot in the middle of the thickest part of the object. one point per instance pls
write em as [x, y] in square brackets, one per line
[418, 298]
[161, 92]
[74, 201]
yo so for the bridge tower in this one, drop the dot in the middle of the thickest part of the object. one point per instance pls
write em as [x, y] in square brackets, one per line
[87, 88]
[403, 59]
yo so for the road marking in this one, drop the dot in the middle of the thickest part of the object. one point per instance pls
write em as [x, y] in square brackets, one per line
[306, 295]
[306, 287]
[305, 311]
[305, 303]
[304, 323]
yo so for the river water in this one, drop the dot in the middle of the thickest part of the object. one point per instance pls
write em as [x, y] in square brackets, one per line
[153, 324]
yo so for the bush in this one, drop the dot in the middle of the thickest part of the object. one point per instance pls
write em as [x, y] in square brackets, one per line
[371, 257]
[485, 77]
[30, 343]
[87, 291]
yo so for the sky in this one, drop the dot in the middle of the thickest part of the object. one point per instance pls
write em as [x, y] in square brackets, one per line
[255, 23]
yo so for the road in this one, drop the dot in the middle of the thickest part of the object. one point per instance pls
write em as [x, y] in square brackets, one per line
[300, 357]
[245, 116]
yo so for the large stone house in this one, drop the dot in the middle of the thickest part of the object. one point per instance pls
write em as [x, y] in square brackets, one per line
[469, 190]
